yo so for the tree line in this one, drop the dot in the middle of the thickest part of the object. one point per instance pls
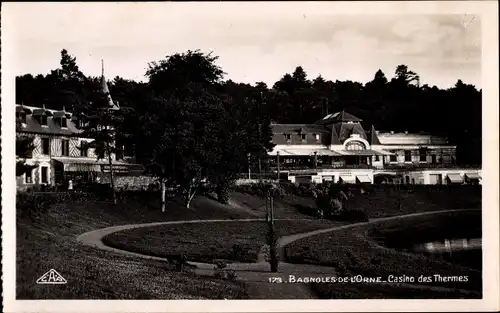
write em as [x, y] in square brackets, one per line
[187, 123]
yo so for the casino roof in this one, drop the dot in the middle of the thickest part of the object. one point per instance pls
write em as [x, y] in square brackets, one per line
[341, 116]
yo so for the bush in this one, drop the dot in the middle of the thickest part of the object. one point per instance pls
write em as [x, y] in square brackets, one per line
[222, 191]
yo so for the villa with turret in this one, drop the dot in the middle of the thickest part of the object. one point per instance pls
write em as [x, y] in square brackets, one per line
[61, 152]
[337, 148]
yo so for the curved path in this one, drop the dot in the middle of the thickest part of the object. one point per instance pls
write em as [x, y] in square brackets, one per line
[254, 274]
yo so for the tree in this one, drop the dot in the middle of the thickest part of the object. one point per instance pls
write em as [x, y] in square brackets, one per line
[231, 155]
[193, 133]
[179, 139]
[104, 124]
[178, 70]
[403, 75]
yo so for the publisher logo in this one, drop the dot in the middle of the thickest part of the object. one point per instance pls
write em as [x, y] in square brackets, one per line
[52, 277]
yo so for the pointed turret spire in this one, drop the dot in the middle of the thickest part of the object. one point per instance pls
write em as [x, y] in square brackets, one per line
[373, 137]
[105, 89]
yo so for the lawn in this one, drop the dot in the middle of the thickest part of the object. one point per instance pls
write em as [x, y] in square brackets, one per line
[376, 200]
[382, 201]
[235, 241]
[47, 240]
[354, 252]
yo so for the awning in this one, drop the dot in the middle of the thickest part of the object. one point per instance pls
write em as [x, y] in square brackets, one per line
[304, 152]
[93, 165]
[358, 152]
[347, 179]
[382, 152]
[473, 176]
[455, 178]
[364, 179]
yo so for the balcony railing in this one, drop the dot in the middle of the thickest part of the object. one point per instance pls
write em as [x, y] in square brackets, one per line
[322, 167]
[405, 166]
[429, 166]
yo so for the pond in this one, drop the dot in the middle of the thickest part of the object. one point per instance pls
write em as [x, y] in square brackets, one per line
[455, 237]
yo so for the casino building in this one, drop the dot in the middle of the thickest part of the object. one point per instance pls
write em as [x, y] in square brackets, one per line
[337, 148]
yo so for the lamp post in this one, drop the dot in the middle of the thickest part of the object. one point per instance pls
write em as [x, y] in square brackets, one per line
[272, 237]
[278, 164]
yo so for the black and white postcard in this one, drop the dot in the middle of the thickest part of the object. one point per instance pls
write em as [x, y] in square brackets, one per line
[230, 156]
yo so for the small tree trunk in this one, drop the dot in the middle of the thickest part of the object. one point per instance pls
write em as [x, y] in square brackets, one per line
[189, 196]
[273, 241]
[111, 176]
[163, 191]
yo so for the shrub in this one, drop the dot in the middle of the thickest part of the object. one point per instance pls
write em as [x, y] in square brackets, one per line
[222, 191]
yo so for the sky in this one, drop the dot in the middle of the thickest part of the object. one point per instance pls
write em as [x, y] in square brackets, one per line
[254, 42]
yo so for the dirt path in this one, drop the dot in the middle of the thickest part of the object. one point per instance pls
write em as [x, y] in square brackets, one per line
[261, 283]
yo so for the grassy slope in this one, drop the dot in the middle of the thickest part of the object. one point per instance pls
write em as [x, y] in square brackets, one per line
[383, 201]
[352, 251]
[48, 241]
[380, 201]
[206, 242]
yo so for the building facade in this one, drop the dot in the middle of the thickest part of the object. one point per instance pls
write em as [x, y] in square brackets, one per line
[337, 148]
[61, 154]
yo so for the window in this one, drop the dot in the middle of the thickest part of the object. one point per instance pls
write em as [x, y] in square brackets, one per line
[355, 145]
[84, 149]
[393, 157]
[407, 156]
[65, 147]
[28, 178]
[43, 120]
[434, 159]
[303, 137]
[45, 172]
[316, 136]
[288, 137]
[423, 155]
[45, 146]
[377, 158]
[63, 122]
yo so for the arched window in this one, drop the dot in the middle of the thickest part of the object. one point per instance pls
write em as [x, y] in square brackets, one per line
[355, 145]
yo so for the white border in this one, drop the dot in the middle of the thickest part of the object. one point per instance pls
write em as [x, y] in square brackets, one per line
[489, 18]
